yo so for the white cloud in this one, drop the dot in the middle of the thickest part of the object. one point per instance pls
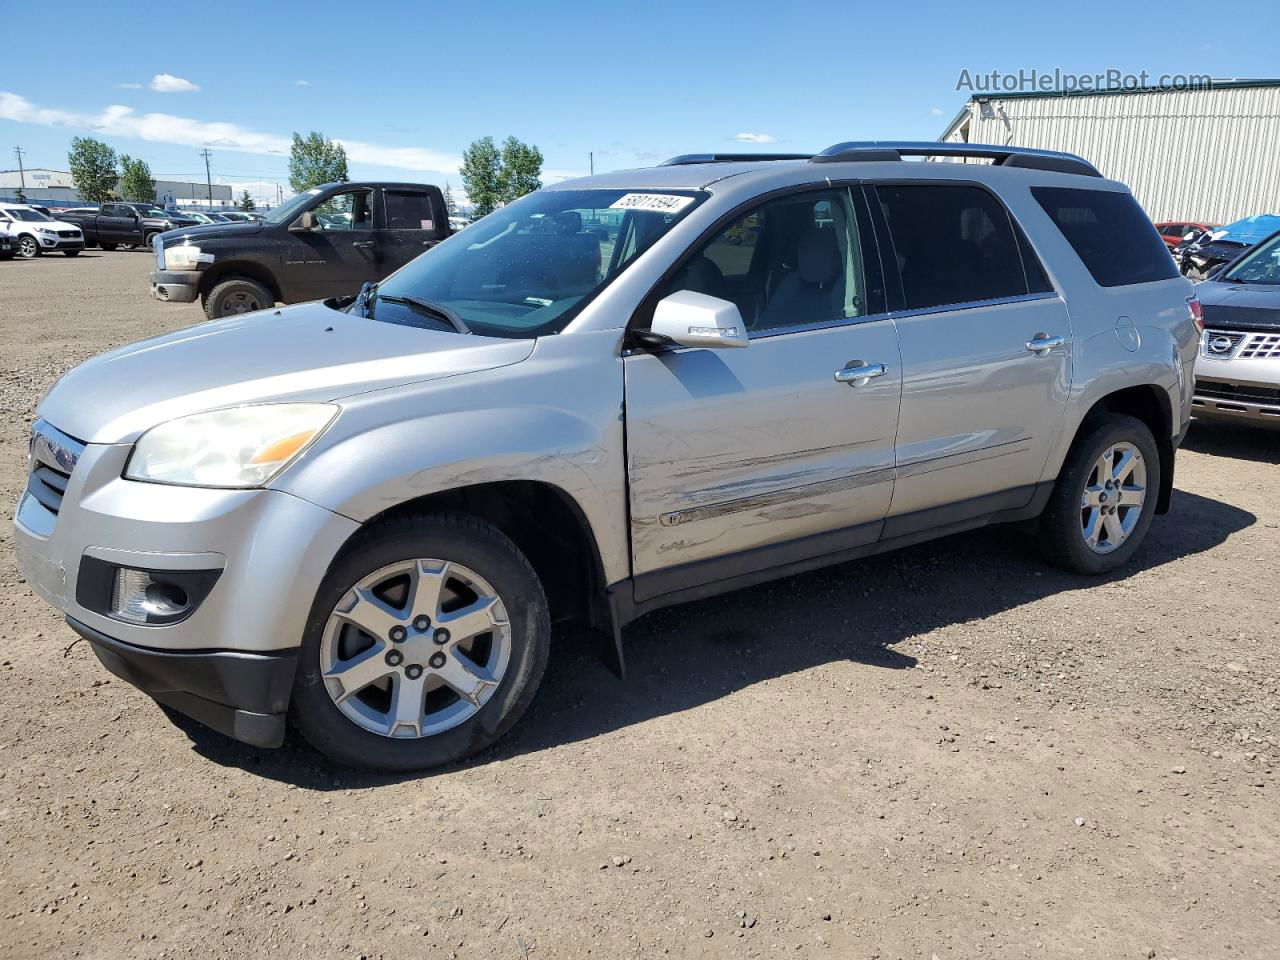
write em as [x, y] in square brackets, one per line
[303, 83]
[121, 121]
[129, 86]
[168, 83]
[936, 111]
[755, 138]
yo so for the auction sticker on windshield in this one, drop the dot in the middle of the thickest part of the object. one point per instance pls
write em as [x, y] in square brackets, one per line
[653, 202]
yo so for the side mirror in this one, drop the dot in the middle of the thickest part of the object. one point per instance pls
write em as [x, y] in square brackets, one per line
[691, 319]
[307, 221]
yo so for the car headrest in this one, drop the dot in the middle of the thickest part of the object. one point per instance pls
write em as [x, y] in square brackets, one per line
[818, 256]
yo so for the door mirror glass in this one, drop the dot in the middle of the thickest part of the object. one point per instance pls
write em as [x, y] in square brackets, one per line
[306, 221]
[691, 319]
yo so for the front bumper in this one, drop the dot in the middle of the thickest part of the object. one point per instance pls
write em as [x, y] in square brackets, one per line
[242, 695]
[60, 243]
[177, 286]
[272, 550]
[1243, 385]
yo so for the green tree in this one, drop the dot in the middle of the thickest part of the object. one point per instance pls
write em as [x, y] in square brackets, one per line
[450, 204]
[521, 170]
[315, 159]
[20, 195]
[135, 180]
[481, 172]
[93, 169]
[246, 202]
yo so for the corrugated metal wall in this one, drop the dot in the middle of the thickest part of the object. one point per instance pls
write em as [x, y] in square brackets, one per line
[1205, 155]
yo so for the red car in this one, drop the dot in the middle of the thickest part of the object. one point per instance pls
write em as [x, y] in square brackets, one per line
[1172, 231]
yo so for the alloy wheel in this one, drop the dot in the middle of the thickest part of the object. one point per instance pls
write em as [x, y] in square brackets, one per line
[415, 648]
[28, 248]
[1111, 503]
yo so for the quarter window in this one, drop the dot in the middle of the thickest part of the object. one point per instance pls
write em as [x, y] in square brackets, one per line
[1110, 234]
[954, 244]
[408, 211]
[793, 261]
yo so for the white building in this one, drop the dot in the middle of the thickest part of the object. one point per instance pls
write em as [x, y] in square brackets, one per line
[1204, 155]
[56, 186]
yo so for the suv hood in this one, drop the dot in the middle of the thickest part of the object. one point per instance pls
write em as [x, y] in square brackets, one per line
[307, 352]
[1239, 306]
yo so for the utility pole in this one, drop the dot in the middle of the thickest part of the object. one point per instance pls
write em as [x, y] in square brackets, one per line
[591, 159]
[22, 174]
[208, 181]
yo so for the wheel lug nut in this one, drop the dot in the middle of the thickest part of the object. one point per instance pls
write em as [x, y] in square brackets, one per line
[441, 636]
[398, 634]
[436, 660]
[422, 623]
[413, 671]
[394, 658]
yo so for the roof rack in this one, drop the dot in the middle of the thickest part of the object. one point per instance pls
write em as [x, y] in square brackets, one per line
[687, 158]
[872, 150]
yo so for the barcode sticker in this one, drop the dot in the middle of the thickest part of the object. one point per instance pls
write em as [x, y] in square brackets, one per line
[652, 202]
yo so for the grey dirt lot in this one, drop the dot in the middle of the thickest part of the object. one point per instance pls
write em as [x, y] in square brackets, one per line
[950, 752]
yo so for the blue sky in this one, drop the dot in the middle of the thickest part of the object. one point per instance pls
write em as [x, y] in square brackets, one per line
[407, 85]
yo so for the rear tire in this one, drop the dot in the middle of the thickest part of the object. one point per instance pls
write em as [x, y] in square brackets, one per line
[369, 728]
[239, 295]
[1102, 503]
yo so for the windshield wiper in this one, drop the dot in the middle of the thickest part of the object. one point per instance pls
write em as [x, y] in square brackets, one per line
[430, 308]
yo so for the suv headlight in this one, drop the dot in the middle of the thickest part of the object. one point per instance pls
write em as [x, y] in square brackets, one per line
[237, 447]
[46, 231]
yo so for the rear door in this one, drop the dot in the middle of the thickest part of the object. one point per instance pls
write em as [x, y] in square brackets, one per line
[412, 225]
[986, 354]
[745, 459]
[339, 253]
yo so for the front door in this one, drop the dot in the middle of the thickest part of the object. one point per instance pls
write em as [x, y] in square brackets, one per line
[746, 459]
[986, 355]
[338, 254]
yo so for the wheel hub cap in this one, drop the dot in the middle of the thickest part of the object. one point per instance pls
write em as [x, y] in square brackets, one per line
[1114, 492]
[415, 648]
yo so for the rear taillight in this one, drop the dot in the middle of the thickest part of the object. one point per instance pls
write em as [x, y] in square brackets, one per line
[1197, 313]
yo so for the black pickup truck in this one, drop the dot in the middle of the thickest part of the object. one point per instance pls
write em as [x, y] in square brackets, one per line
[325, 242]
[124, 225]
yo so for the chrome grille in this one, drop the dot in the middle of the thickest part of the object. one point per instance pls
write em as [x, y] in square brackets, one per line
[1220, 344]
[53, 457]
[68, 234]
[1261, 346]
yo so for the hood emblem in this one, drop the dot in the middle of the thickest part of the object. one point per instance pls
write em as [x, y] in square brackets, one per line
[1220, 344]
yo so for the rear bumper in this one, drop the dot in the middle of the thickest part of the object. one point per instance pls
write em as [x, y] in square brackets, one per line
[178, 286]
[242, 695]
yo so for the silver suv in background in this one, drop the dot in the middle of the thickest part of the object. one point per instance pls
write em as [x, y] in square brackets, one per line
[615, 394]
[1238, 371]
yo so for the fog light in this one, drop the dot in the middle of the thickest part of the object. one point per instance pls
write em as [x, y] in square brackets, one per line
[137, 598]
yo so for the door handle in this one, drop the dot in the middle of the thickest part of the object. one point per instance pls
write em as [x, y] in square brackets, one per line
[1042, 343]
[859, 373]
[362, 243]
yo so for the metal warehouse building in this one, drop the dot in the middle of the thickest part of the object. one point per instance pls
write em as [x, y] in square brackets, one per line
[1204, 155]
[56, 186]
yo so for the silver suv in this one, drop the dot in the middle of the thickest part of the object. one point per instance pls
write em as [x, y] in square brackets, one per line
[615, 394]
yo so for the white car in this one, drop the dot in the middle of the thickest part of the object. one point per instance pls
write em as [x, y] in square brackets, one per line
[35, 233]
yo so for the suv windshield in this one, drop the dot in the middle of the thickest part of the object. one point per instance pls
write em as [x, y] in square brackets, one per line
[31, 215]
[1261, 265]
[526, 269]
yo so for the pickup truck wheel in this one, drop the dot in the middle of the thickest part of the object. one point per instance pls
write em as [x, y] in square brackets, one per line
[1105, 496]
[72, 253]
[28, 248]
[426, 642]
[149, 239]
[236, 296]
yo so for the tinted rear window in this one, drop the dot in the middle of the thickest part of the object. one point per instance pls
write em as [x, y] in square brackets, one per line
[1110, 233]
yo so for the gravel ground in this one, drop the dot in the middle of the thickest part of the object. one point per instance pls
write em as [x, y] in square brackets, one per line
[949, 752]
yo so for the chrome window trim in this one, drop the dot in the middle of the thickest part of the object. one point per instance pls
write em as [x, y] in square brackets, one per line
[817, 325]
[974, 304]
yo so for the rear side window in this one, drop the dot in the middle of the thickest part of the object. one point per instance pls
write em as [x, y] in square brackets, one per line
[1110, 234]
[408, 211]
[954, 244]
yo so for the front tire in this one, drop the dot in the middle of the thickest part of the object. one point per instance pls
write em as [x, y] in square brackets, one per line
[150, 239]
[236, 296]
[1105, 497]
[28, 247]
[72, 253]
[426, 642]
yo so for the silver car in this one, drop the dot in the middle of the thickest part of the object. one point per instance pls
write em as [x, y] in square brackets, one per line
[615, 394]
[1238, 371]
